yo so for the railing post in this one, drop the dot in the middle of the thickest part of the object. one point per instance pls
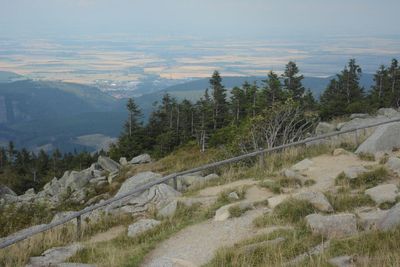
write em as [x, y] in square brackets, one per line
[261, 160]
[78, 227]
[356, 137]
[175, 182]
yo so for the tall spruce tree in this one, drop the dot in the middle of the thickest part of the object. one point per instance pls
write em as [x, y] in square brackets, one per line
[293, 81]
[220, 105]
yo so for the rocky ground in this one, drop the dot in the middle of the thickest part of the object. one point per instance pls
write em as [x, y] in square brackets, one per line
[347, 193]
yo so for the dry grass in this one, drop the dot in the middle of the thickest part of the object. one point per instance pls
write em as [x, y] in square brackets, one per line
[18, 254]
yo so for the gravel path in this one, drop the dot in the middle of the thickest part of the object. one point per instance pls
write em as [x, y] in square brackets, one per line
[196, 245]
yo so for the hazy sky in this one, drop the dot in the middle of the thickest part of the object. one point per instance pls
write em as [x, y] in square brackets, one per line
[203, 18]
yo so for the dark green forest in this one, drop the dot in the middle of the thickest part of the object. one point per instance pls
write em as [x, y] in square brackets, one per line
[253, 116]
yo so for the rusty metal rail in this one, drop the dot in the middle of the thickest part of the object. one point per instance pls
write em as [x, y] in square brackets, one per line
[78, 215]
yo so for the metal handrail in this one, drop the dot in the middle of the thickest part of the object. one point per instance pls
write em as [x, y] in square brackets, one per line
[77, 215]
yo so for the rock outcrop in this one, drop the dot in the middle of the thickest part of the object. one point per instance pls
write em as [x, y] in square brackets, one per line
[385, 193]
[108, 164]
[391, 220]
[54, 256]
[394, 165]
[385, 138]
[317, 199]
[141, 159]
[333, 226]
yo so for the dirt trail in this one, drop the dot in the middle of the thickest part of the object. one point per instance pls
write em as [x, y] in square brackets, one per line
[196, 244]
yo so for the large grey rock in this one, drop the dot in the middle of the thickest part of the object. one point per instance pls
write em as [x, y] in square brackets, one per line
[169, 209]
[391, 220]
[303, 165]
[368, 219]
[108, 164]
[123, 161]
[394, 164]
[383, 193]
[144, 158]
[142, 226]
[385, 138]
[333, 226]
[190, 180]
[324, 127]
[158, 197]
[358, 116]
[55, 256]
[388, 112]
[211, 177]
[358, 122]
[136, 181]
[75, 180]
[317, 199]
[354, 171]
[4, 190]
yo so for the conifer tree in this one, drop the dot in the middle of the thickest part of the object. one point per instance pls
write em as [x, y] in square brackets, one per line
[220, 105]
[293, 81]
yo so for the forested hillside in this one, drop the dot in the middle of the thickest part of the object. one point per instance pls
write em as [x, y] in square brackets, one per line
[242, 120]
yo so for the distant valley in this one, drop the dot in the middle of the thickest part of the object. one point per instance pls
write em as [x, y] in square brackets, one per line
[69, 116]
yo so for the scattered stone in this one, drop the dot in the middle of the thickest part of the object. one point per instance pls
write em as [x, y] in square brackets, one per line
[391, 220]
[339, 151]
[303, 165]
[141, 159]
[385, 138]
[123, 161]
[169, 209]
[233, 196]
[108, 164]
[324, 128]
[97, 180]
[358, 116]
[317, 199]
[333, 226]
[55, 256]
[142, 226]
[370, 218]
[383, 193]
[354, 171]
[342, 261]
[394, 165]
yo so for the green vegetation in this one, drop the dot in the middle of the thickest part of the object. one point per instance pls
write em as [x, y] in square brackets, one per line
[21, 170]
[290, 211]
[365, 180]
[296, 241]
[276, 185]
[344, 201]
